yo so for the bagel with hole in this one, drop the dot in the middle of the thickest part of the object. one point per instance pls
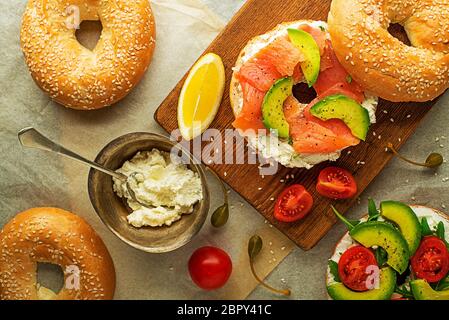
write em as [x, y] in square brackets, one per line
[75, 76]
[383, 64]
[55, 236]
[273, 120]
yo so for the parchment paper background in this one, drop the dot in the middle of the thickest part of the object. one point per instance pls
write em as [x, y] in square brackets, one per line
[185, 27]
[31, 178]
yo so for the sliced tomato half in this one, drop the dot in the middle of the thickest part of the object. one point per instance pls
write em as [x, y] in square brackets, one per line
[353, 267]
[336, 183]
[431, 260]
[293, 204]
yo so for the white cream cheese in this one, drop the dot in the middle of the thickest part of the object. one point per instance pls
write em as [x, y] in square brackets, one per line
[172, 188]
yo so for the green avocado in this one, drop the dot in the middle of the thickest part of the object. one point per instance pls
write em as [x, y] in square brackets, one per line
[407, 221]
[273, 107]
[423, 291]
[338, 291]
[350, 111]
[383, 234]
[309, 48]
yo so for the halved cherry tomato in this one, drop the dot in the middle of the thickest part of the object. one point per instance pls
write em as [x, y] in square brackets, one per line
[293, 204]
[210, 267]
[336, 183]
[353, 267]
[431, 260]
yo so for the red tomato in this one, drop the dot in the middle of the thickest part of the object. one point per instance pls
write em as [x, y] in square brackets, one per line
[431, 260]
[293, 204]
[210, 268]
[353, 267]
[336, 183]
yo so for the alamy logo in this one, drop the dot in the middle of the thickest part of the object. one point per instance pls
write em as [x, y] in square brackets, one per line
[72, 279]
[215, 147]
[73, 20]
[373, 279]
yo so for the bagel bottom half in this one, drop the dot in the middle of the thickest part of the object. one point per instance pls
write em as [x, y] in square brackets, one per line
[55, 236]
[284, 152]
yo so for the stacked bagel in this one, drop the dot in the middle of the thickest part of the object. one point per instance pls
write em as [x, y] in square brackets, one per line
[380, 64]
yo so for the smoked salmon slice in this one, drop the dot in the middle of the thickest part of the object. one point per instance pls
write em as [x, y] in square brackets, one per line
[277, 60]
[311, 135]
[250, 117]
[335, 76]
[283, 54]
[344, 89]
[259, 73]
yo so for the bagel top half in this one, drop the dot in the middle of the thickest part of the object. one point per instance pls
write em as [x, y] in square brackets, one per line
[383, 64]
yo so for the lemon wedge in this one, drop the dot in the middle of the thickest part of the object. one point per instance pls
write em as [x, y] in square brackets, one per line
[201, 96]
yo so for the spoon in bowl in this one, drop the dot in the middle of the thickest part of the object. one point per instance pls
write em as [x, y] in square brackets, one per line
[31, 138]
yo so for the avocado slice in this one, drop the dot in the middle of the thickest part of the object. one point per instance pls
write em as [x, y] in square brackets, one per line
[273, 107]
[341, 107]
[407, 221]
[338, 291]
[309, 48]
[423, 291]
[383, 234]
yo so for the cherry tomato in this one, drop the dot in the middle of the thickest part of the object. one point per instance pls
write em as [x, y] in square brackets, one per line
[431, 260]
[336, 183]
[293, 204]
[353, 267]
[210, 268]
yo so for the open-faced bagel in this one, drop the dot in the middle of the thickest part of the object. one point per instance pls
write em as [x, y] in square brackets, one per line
[75, 76]
[284, 152]
[59, 237]
[383, 64]
[433, 216]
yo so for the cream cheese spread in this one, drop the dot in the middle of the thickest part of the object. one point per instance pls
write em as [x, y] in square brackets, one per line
[172, 189]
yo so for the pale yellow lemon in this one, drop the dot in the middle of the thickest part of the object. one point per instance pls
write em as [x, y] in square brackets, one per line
[201, 96]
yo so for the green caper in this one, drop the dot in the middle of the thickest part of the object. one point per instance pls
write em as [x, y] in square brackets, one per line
[434, 160]
[254, 246]
[220, 216]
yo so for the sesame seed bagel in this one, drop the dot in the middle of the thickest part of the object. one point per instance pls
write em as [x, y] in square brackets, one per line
[383, 64]
[59, 237]
[75, 76]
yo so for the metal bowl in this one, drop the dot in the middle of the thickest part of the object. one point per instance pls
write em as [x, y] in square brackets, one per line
[113, 210]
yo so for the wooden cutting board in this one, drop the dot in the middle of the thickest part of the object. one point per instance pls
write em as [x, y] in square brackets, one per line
[396, 122]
